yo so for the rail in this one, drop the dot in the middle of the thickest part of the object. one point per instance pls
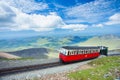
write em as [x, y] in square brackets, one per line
[28, 68]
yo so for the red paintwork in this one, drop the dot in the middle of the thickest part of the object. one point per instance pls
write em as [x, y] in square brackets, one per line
[71, 58]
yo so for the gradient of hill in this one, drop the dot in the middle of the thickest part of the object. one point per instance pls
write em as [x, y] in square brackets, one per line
[39, 42]
[111, 41]
[48, 47]
[31, 53]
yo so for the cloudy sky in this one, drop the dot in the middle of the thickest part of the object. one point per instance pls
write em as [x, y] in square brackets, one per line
[32, 17]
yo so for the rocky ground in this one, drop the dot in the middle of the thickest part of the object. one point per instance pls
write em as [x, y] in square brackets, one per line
[20, 63]
[54, 73]
[63, 75]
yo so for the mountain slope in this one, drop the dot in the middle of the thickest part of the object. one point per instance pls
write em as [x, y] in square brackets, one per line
[8, 56]
[111, 41]
[32, 53]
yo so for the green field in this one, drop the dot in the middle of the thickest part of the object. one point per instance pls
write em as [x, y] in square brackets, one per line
[111, 42]
[107, 68]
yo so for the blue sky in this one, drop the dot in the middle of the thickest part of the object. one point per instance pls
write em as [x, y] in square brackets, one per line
[38, 17]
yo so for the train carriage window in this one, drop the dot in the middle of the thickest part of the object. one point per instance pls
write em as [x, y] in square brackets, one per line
[71, 52]
[74, 52]
[68, 52]
[79, 51]
[90, 51]
[62, 51]
[93, 50]
[86, 51]
[82, 52]
[98, 50]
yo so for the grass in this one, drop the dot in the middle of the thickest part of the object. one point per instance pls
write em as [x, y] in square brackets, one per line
[106, 68]
[112, 43]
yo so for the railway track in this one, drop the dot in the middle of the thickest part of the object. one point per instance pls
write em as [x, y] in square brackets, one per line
[27, 68]
[13, 70]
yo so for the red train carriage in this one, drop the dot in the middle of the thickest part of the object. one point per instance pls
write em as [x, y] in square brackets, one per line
[75, 53]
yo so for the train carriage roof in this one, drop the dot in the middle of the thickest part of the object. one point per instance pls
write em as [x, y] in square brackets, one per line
[80, 47]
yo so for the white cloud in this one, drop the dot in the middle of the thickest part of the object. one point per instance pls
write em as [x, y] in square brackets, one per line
[114, 19]
[11, 18]
[74, 21]
[27, 6]
[14, 19]
[98, 25]
[92, 12]
[37, 22]
[75, 27]
[6, 15]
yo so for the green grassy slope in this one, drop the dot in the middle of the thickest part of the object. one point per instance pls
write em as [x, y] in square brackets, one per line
[111, 42]
[107, 68]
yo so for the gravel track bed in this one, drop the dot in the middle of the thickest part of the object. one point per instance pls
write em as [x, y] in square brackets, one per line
[63, 75]
[59, 70]
[53, 73]
[20, 63]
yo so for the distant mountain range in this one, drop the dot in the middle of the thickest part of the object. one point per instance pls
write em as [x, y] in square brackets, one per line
[46, 47]
[55, 42]
[111, 41]
[40, 42]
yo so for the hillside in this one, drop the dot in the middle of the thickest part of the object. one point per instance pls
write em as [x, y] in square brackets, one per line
[48, 47]
[8, 56]
[54, 42]
[31, 53]
[113, 42]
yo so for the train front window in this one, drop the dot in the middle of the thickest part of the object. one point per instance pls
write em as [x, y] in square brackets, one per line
[63, 51]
